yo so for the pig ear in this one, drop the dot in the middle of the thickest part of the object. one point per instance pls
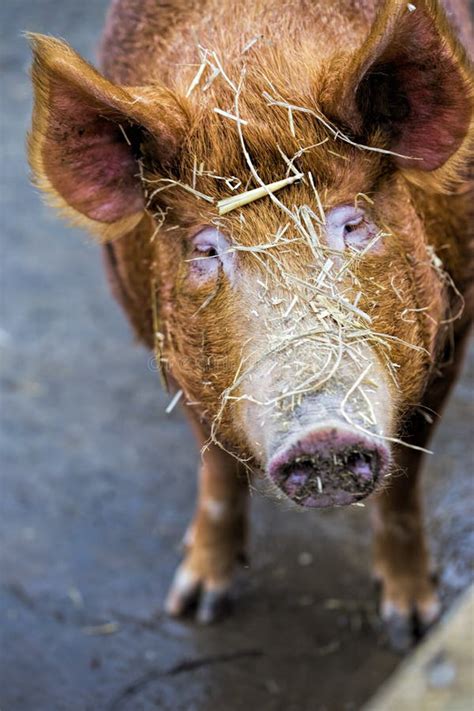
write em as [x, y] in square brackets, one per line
[86, 135]
[411, 82]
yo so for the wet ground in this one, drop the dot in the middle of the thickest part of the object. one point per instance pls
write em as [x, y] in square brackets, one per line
[98, 484]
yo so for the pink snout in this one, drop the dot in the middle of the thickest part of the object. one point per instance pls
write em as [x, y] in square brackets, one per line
[329, 467]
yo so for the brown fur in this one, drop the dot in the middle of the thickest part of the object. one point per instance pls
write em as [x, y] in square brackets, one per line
[313, 55]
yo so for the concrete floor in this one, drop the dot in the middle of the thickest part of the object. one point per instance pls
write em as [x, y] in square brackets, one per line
[98, 485]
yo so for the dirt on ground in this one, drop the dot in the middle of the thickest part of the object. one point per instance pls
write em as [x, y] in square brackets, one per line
[98, 484]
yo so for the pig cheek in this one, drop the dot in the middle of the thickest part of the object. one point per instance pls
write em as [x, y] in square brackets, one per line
[392, 309]
[196, 355]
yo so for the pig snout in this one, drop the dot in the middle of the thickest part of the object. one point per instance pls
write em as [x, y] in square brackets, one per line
[320, 446]
[330, 466]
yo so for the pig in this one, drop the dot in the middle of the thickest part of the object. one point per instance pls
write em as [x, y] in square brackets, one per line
[314, 328]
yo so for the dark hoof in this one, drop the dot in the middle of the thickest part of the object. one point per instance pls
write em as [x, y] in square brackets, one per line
[405, 628]
[213, 606]
[400, 632]
[190, 595]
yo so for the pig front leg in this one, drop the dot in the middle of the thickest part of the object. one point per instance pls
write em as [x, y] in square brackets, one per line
[215, 540]
[409, 601]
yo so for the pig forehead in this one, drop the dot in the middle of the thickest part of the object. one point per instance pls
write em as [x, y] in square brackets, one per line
[339, 174]
[270, 135]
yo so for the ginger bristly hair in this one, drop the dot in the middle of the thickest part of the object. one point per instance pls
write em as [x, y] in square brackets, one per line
[373, 112]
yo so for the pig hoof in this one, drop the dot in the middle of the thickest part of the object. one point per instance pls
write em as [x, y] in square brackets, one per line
[213, 606]
[192, 594]
[406, 624]
[399, 630]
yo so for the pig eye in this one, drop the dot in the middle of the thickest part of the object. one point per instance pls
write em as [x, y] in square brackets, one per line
[348, 227]
[210, 252]
[207, 251]
[354, 225]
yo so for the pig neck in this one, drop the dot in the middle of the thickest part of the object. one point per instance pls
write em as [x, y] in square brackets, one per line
[143, 42]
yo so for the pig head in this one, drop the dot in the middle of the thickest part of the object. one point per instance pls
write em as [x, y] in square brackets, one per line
[301, 326]
[261, 331]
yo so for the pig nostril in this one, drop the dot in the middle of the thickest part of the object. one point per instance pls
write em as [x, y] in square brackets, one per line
[361, 463]
[297, 477]
[356, 458]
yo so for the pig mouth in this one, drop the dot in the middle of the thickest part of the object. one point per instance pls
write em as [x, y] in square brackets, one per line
[329, 468]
